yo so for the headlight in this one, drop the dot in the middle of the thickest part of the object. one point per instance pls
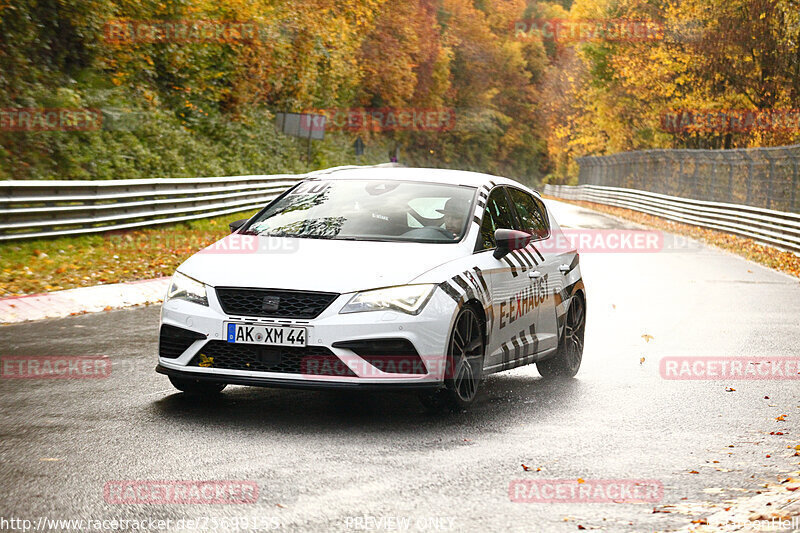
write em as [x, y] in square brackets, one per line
[183, 287]
[406, 298]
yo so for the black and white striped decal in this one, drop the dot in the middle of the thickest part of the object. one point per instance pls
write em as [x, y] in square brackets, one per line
[511, 266]
[480, 205]
[523, 260]
[521, 349]
[486, 299]
[483, 196]
[471, 285]
[562, 297]
[450, 291]
[541, 257]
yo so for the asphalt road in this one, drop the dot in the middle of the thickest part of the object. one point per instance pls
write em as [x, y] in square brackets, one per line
[322, 460]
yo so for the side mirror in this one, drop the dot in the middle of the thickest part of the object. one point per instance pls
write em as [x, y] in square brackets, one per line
[237, 224]
[509, 240]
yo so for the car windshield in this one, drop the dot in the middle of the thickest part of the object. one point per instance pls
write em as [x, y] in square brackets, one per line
[369, 210]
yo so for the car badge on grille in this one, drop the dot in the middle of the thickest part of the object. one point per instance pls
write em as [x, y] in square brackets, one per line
[270, 303]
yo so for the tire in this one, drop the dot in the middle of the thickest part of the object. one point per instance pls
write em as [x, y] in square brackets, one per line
[197, 387]
[567, 361]
[464, 369]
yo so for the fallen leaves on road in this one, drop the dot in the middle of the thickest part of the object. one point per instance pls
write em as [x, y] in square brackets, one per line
[730, 389]
[781, 418]
[647, 337]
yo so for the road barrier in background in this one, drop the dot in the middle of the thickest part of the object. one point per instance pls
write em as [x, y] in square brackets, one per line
[49, 208]
[756, 177]
[777, 228]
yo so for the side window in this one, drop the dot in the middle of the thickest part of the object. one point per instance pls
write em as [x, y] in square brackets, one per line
[497, 215]
[531, 213]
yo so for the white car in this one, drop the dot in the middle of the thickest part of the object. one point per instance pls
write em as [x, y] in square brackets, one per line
[384, 278]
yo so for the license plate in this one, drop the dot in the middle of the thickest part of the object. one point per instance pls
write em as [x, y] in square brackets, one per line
[268, 335]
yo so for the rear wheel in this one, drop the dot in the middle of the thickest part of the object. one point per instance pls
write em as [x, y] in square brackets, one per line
[464, 367]
[568, 358]
[197, 387]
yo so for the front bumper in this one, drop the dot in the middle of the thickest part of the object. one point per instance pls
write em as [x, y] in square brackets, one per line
[428, 332]
[293, 383]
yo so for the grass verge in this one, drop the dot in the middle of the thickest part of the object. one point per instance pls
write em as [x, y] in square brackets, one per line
[44, 265]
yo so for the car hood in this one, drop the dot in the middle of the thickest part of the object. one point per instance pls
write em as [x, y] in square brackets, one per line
[314, 264]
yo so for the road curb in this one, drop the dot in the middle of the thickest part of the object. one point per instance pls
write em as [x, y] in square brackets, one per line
[82, 300]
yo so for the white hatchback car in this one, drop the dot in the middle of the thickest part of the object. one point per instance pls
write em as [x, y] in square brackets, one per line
[379, 278]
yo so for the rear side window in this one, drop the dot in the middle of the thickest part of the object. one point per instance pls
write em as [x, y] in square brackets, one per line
[497, 215]
[532, 214]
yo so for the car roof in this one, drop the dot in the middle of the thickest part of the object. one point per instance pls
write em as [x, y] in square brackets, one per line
[428, 175]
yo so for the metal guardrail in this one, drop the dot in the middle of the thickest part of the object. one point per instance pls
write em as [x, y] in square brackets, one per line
[777, 228]
[49, 208]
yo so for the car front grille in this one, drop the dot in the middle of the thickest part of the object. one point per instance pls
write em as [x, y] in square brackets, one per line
[274, 303]
[309, 360]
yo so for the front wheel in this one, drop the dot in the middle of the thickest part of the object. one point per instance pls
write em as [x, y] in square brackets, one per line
[464, 367]
[568, 358]
[197, 387]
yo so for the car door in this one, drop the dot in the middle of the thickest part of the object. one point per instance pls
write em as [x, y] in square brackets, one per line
[511, 338]
[545, 276]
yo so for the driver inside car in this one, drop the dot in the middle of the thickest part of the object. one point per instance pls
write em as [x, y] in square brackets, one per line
[454, 210]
